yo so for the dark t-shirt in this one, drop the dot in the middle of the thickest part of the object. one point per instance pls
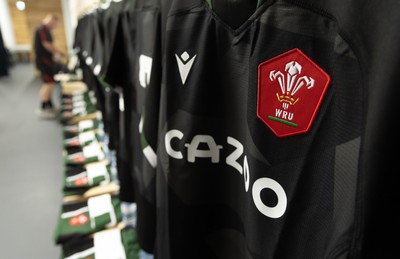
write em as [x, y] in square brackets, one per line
[44, 58]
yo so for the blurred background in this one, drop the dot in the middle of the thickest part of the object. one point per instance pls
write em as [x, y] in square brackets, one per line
[31, 162]
[18, 20]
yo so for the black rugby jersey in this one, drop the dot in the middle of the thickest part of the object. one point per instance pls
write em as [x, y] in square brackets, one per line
[260, 134]
[141, 74]
[117, 77]
[88, 47]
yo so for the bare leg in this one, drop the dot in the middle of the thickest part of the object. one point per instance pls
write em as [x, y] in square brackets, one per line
[46, 92]
[45, 95]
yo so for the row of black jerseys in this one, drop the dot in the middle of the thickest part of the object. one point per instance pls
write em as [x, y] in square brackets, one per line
[250, 129]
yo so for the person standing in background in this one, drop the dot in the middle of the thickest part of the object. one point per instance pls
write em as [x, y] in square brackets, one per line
[46, 55]
[4, 59]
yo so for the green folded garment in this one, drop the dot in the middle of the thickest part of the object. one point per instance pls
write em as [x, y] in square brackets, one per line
[76, 101]
[110, 244]
[82, 126]
[78, 219]
[79, 179]
[80, 155]
[83, 138]
[77, 105]
[87, 96]
[77, 112]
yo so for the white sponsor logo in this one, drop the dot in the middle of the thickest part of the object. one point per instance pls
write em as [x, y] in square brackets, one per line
[212, 152]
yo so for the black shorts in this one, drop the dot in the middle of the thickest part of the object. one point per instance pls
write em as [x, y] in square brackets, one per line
[47, 71]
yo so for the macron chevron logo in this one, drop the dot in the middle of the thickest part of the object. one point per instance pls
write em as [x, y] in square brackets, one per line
[185, 63]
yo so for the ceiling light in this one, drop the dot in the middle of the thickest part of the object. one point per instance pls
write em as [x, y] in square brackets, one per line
[20, 5]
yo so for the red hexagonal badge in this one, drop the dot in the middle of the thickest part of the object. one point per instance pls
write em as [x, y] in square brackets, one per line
[290, 90]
